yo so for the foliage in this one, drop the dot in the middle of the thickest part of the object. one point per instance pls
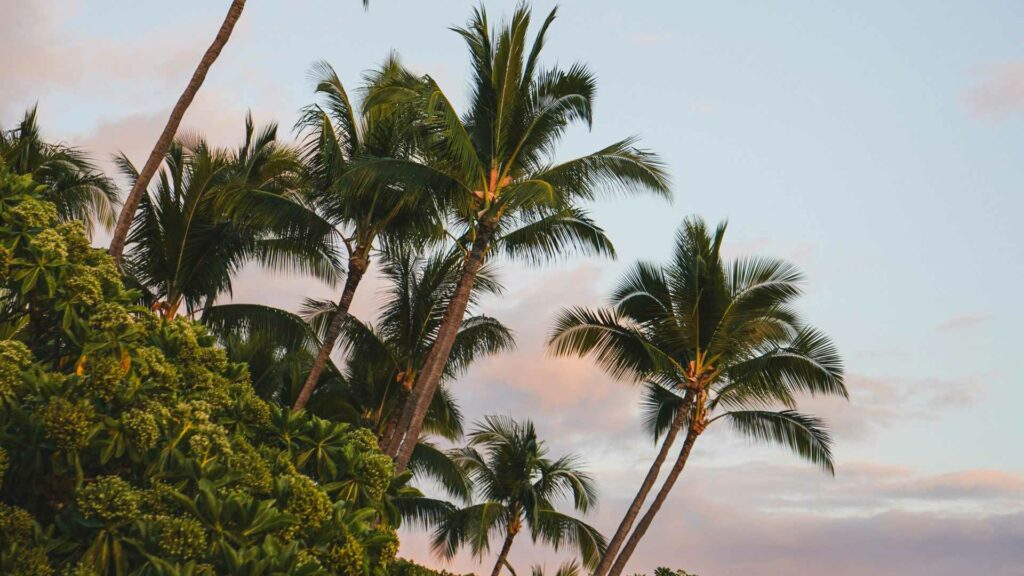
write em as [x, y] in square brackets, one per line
[130, 445]
[212, 211]
[518, 485]
[403, 567]
[72, 182]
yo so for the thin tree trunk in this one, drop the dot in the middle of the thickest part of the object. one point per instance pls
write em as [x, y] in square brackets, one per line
[408, 433]
[163, 143]
[641, 495]
[357, 266]
[666, 488]
[503, 555]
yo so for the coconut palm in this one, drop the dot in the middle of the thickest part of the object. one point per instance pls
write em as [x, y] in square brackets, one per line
[78, 188]
[382, 358]
[164, 141]
[518, 484]
[712, 341]
[492, 169]
[337, 136]
[213, 211]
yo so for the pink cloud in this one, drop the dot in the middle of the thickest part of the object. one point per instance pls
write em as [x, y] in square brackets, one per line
[1000, 92]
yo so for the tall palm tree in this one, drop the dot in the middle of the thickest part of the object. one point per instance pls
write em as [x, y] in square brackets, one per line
[518, 484]
[164, 141]
[382, 358]
[337, 136]
[492, 169]
[711, 341]
[213, 211]
[78, 188]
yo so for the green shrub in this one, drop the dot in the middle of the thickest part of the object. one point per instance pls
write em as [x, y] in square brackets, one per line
[129, 445]
[403, 567]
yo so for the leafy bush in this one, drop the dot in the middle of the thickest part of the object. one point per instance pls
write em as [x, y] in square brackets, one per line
[130, 445]
[403, 567]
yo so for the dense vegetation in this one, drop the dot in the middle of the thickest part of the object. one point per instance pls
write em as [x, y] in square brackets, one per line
[131, 445]
[146, 427]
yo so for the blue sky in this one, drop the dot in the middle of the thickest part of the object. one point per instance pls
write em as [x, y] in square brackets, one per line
[876, 144]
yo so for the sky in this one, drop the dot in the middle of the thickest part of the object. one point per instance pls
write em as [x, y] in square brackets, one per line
[875, 144]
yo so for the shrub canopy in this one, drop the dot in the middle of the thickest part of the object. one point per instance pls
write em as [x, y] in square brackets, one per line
[130, 445]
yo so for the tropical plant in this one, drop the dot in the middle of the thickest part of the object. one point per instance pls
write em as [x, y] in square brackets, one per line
[711, 341]
[72, 182]
[130, 445]
[492, 170]
[164, 141]
[213, 210]
[403, 567]
[382, 359]
[336, 138]
[518, 483]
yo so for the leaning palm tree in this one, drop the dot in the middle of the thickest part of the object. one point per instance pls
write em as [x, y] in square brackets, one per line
[711, 341]
[213, 211]
[383, 358]
[337, 137]
[164, 141]
[518, 484]
[78, 188]
[492, 169]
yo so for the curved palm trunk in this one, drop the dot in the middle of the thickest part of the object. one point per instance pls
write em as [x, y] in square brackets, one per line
[503, 555]
[357, 266]
[641, 495]
[404, 440]
[163, 143]
[666, 488]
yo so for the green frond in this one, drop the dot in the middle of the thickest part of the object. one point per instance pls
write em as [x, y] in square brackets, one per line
[804, 435]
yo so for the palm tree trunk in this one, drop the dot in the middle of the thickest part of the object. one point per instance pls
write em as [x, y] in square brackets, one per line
[503, 555]
[357, 265]
[163, 143]
[641, 495]
[666, 488]
[405, 438]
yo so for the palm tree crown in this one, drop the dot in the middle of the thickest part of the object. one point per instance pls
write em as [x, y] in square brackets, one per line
[518, 483]
[337, 136]
[212, 211]
[711, 341]
[493, 170]
[78, 188]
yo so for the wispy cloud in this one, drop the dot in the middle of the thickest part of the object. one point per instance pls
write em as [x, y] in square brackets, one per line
[963, 322]
[1000, 91]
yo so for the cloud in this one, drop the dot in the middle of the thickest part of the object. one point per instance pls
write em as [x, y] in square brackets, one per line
[1000, 92]
[963, 322]
[759, 519]
[43, 60]
[882, 403]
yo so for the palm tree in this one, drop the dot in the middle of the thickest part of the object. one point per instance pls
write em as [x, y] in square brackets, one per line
[519, 484]
[78, 188]
[336, 138]
[164, 142]
[711, 341]
[491, 169]
[213, 211]
[382, 358]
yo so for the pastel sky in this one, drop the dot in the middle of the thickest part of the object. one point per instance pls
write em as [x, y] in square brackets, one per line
[877, 144]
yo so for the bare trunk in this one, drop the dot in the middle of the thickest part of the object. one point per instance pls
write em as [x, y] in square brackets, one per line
[131, 203]
[641, 495]
[503, 555]
[408, 433]
[357, 266]
[666, 488]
